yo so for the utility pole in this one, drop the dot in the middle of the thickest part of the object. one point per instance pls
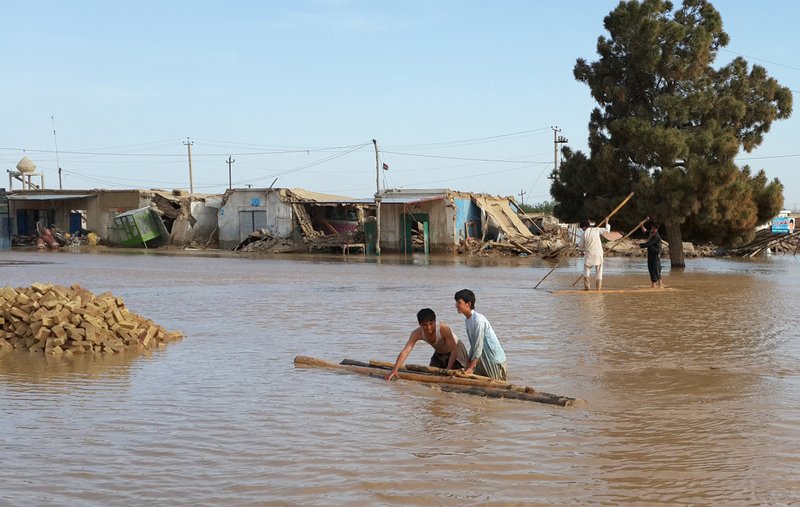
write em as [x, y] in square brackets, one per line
[230, 161]
[55, 141]
[521, 196]
[557, 139]
[378, 197]
[188, 145]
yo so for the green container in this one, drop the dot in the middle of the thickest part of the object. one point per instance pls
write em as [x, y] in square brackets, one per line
[138, 227]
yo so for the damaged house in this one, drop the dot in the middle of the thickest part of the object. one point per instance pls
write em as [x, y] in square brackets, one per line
[444, 220]
[281, 219]
[78, 212]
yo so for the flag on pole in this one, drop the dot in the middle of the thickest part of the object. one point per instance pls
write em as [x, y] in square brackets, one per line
[385, 166]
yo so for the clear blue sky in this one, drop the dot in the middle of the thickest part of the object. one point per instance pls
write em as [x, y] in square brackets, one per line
[459, 95]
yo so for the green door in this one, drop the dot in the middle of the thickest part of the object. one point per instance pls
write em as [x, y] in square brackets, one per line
[415, 225]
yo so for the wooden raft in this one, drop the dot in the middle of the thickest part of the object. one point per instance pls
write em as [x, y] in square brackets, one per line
[446, 380]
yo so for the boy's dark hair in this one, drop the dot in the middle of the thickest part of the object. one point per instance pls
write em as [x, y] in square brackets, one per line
[584, 223]
[426, 315]
[654, 225]
[466, 296]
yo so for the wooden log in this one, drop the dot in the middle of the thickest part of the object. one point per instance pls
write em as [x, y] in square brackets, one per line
[536, 396]
[432, 369]
[446, 383]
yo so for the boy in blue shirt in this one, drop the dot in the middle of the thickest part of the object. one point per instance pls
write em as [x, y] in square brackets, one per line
[486, 356]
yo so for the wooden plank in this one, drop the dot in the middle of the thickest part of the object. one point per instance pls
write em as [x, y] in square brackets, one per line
[642, 290]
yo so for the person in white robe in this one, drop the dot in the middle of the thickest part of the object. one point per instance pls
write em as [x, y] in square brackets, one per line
[592, 246]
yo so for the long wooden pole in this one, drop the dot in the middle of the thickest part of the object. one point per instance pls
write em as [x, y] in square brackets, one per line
[617, 242]
[548, 274]
[625, 201]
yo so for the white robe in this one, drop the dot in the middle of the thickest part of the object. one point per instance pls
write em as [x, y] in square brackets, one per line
[592, 245]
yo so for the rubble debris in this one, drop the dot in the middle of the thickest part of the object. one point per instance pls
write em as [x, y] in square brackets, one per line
[62, 321]
[765, 240]
[262, 241]
[170, 210]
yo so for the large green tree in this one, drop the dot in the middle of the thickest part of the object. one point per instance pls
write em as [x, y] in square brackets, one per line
[668, 126]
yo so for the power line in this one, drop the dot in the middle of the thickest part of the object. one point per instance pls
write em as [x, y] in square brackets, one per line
[464, 158]
[760, 59]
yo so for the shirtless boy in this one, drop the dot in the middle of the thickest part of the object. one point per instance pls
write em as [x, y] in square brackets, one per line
[448, 351]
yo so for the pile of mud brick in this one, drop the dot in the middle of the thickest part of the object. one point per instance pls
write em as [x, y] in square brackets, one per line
[62, 321]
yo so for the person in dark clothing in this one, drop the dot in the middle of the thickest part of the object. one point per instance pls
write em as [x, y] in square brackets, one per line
[653, 245]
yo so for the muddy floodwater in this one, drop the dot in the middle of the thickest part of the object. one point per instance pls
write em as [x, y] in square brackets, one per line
[693, 392]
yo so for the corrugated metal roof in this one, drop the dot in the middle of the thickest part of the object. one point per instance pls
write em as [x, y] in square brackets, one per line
[48, 197]
[396, 199]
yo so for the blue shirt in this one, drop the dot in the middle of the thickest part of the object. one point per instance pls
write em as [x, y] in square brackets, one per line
[483, 341]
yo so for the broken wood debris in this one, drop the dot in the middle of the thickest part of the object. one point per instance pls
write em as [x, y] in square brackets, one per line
[64, 321]
[782, 243]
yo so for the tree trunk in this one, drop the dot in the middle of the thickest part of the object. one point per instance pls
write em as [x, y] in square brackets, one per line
[675, 240]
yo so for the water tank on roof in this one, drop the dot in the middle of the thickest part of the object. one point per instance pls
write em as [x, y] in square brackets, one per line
[26, 165]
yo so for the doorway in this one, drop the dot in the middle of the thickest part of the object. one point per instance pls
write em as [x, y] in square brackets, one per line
[416, 233]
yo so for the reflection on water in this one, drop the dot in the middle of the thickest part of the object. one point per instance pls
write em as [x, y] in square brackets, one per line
[692, 391]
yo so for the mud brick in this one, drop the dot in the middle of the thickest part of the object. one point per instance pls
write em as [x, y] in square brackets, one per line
[114, 344]
[36, 346]
[22, 329]
[93, 310]
[127, 324]
[41, 288]
[38, 314]
[72, 306]
[55, 351]
[19, 312]
[148, 340]
[42, 333]
[76, 333]
[78, 343]
[50, 303]
[23, 299]
[90, 321]
[59, 331]
[35, 325]
[92, 334]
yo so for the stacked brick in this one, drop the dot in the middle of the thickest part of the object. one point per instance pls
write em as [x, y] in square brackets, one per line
[62, 321]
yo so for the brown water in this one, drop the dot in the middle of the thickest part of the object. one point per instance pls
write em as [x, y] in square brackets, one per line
[693, 392]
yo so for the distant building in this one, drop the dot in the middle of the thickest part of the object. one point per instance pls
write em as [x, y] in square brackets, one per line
[440, 219]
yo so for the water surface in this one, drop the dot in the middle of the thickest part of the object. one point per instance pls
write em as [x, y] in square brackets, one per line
[692, 392]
